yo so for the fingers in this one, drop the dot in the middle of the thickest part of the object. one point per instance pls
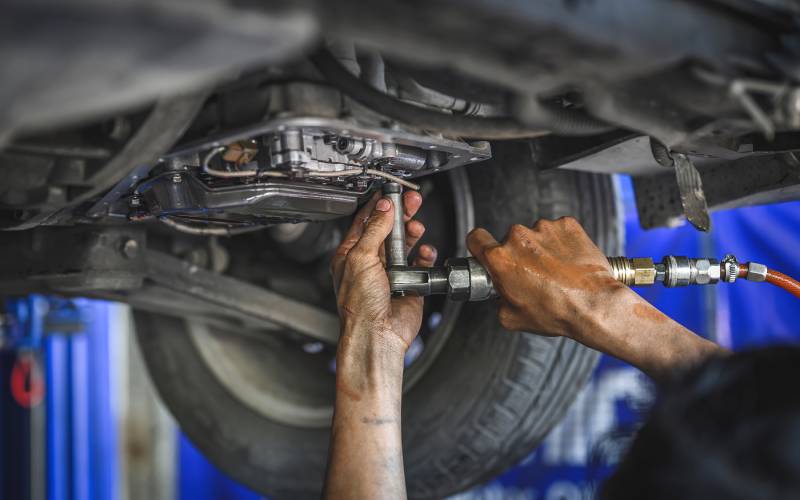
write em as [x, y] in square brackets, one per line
[426, 257]
[412, 200]
[376, 229]
[351, 238]
[478, 241]
[414, 231]
[357, 227]
[370, 227]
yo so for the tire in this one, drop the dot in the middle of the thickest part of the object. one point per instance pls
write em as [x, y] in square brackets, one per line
[486, 401]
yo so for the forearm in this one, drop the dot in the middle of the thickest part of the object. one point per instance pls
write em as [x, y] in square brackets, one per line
[629, 328]
[366, 456]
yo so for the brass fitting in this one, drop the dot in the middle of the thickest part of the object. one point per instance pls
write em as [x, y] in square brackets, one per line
[633, 272]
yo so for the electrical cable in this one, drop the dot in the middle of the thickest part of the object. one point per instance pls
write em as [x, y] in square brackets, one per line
[223, 173]
[369, 171]
[238, 174]
[393, 178]
[551, 119]
[338, 173]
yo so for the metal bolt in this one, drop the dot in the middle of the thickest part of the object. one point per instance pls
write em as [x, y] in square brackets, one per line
[176, 178]
[135, 202]
[130, 249]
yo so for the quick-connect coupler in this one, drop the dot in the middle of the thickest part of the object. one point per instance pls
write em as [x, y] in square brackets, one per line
[675, 271]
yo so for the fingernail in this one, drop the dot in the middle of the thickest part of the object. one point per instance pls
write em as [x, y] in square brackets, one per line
[383, 205]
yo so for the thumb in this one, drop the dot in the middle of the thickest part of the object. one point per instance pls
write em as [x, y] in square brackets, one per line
[376, 229]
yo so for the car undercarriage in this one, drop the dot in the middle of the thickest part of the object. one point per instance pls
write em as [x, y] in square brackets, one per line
[200, 162]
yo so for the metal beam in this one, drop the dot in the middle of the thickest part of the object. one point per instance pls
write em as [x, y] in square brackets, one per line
[239, 298]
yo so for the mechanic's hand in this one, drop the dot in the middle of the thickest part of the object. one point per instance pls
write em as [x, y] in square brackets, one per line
[551, 278]
[359, 274]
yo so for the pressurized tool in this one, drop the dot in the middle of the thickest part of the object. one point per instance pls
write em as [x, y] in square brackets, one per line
[465, 279]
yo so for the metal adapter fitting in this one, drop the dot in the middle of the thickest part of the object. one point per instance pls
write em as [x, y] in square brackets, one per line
[683, 271]
[462, 279]
[468, 280]
[633, 272]
[729, 268]
[756, 272]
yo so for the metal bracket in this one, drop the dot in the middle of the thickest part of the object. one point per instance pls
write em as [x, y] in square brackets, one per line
[114, 263]
[693, 198]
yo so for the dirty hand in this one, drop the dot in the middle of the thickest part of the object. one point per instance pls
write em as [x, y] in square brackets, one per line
[359, 276]
[551, 278]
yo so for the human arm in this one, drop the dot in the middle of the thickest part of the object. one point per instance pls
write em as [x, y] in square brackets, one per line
[553, 280]
[366, 455]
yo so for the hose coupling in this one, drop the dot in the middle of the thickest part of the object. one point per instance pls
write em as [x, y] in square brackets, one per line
[672, 271]
[683, 271]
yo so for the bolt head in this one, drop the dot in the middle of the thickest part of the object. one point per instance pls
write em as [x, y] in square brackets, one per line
[130, 249]
[458, 284]
[706, 272]
[176, 178]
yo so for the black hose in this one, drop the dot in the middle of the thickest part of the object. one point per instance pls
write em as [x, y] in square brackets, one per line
[552, 120]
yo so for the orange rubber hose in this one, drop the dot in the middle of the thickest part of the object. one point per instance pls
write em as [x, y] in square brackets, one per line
[742, 271]
[788, 283]
[776, 278]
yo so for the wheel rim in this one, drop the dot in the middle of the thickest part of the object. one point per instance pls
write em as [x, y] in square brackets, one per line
[275, 379]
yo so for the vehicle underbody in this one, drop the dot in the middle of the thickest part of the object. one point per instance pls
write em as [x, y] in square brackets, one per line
[201, 162]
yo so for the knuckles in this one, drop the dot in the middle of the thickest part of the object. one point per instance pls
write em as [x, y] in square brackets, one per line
[496, 255]
[356, 258]
[507, 318]
[518, 231]
[569, 222]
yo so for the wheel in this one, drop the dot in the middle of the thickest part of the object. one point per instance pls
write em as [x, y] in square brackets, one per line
[476, 400]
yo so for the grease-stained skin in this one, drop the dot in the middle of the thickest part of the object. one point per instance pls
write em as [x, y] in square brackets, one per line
[366, 456]
[552, 280]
